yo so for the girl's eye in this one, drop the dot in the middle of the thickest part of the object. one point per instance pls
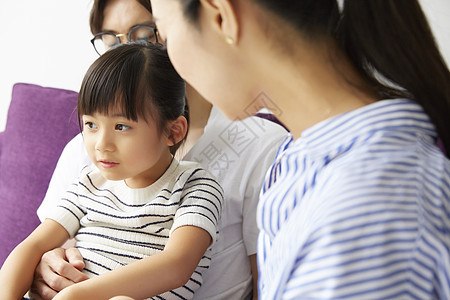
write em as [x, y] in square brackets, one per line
[90, 125]
[122, 127]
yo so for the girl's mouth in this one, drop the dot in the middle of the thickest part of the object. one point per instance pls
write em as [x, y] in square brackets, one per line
[107, 164]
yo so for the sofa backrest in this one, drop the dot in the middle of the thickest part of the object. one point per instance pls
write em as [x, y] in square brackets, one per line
[40, 122]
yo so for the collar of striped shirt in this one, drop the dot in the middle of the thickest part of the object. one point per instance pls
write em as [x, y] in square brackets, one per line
[401, 115]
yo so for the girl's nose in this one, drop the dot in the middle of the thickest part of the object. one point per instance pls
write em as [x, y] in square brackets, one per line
[104, 143]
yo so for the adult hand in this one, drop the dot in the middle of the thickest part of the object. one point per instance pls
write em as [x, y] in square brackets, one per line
[58, 269]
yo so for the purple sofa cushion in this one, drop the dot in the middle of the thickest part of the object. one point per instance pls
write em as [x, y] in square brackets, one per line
[1, 141]
[40, 122]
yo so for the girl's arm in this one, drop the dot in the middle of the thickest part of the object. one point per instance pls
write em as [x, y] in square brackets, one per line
[152, 275]
[16, 274]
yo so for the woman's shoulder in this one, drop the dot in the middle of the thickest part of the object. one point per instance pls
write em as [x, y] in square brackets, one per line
[74, 153]
[75, 143]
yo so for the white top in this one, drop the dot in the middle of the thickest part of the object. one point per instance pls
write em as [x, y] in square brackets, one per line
[115, 225]
[238, 154]
[358, 207]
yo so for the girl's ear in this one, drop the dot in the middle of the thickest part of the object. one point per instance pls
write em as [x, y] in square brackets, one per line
[177, 130]
[223, 15]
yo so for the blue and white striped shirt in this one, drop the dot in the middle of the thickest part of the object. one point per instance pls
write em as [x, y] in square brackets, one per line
[358, 208]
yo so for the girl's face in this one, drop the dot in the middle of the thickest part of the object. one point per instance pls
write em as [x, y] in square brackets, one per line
[204, 59]
[123, 149]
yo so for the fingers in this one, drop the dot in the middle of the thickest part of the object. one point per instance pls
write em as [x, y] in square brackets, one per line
[52, 269]
[54, 273]
[44, 278]
[41, 291]
[74, 257]
[58, 261]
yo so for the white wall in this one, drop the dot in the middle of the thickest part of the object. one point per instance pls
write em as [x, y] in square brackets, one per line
[438, 13]
[46, 42]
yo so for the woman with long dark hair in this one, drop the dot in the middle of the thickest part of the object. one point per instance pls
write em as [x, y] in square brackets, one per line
[356, 204]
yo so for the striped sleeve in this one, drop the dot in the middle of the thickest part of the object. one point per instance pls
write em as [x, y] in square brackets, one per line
[364, 242]
[201, 203]
[69, 210]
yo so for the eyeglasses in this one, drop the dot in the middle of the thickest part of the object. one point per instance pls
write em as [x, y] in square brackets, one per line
[103, 41]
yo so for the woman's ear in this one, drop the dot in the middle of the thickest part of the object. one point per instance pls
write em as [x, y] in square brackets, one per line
[223, 15]
[177, 131]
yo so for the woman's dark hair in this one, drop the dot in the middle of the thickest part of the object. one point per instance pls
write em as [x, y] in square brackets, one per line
[139, 79]
[393, 38]
[389, 42]
[97, 14]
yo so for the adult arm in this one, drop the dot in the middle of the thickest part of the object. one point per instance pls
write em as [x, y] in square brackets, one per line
[165, 271]
[16, 274]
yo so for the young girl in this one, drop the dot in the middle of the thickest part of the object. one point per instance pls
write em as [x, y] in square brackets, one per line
[357, 203]
[138, 209]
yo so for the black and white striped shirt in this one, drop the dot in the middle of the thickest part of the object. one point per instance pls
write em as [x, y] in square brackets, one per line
[115, 225]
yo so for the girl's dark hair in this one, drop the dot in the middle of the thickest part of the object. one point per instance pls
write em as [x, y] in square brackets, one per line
[138, 79]
[389, 42]
[97, 14]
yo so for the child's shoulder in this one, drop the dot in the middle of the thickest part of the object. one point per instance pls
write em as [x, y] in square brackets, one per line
[190, 171]
[91, 173]
[189, 165]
